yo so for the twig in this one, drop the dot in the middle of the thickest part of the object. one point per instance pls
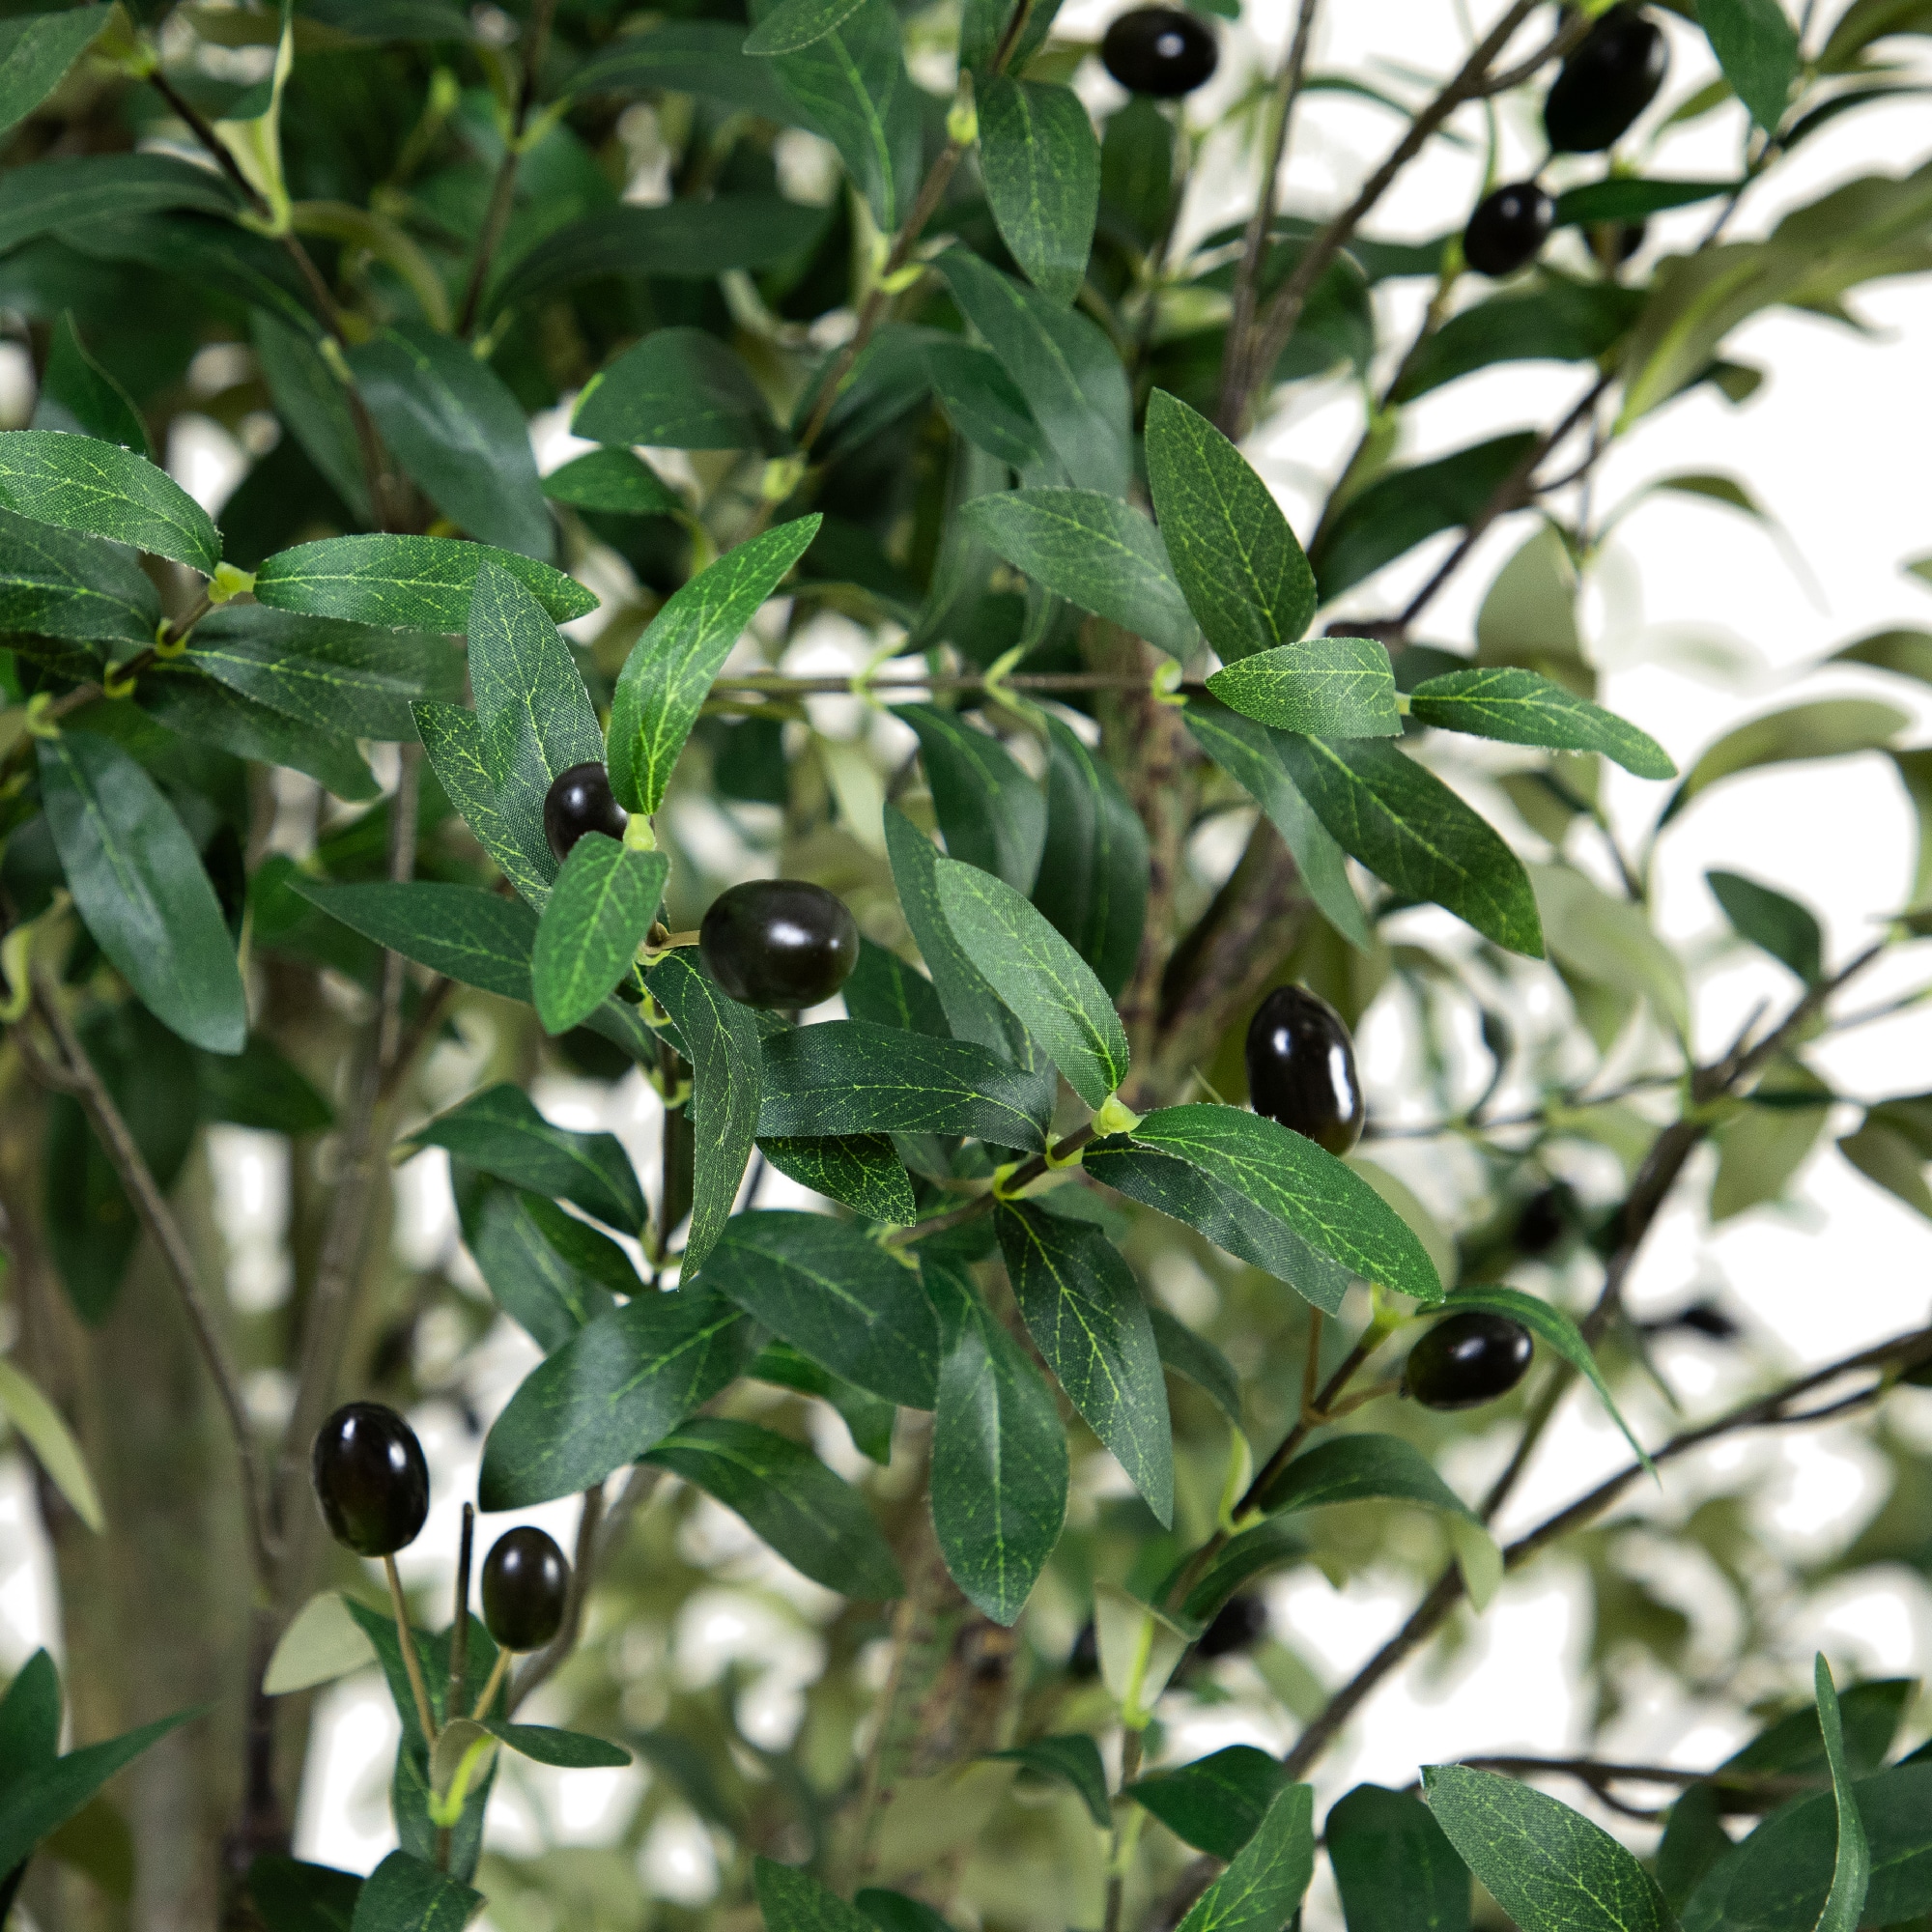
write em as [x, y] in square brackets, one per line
[1022, 1179]
[547, 1661]
[406, 1638]
[1596, 1772]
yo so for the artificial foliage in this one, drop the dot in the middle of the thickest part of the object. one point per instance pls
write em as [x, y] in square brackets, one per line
[436, 770]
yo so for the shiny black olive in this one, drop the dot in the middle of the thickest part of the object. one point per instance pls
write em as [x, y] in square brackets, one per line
[526, 1581]
[1239, 1624]
[580, 801]
[1508, 229]
[780, 943]
[1301, 1069]
[370, 1479]
[1468, 1359]
[1160, 51]
[1609, 81]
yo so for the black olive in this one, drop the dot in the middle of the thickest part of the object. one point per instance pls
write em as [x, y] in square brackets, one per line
[1609, 81]
[1508, 229]
[580, 801]
[1160, 51]
[526, 1581]
[1544, 1222]
[370, 1479]
[1239, 1624]
[1468, 1359]
[1301, 1069]
[780, 943]
[1083, 1660]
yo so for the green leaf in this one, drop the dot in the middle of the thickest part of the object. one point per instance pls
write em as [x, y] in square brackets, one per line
[851, 1077]
[702, 57]
[61, 585]
[1100, 554]
[1085, 1311]
[667, 675]
[500, 1132]
[1093, 881]
[1406, 507]
[999, 1454]
[600, 907]
[330, 676]
[1298, 1185]
[1042, 981]
[76, 393]
[862, 1171]
[203, 709]
[991, 813]
[1829, 727]
[1889, 1160]
[77, 483]
[1520, 708]
[1262, 1885]
[1609, 940]
[297, 1898]
[610, 1394]
[982, 26]
[985, 406]
[1184, 1352]
[405, 583]
[323, 1642]
[1334, 687]
[1267, 1547]
[404, 1894]
[35, 51]
[1767, 918]
[1555, 1331]
[1251, 755]
[678, 388]
[30, 1721]
[40, 1427]
[1761, 1147]
[1902, 652]
[868, 1418]
[453, 741]
[720, 1039]
[1041, 167]
[1757, 48]
[819, 1525]
[836, 1297]
[1245, 577]
[480, 938]
[1553, 321]
[313, 406]
[616, 481]
[572, 1750]
[1218, 1801]
[1395, 1869]
[454, 427]
[798, 23]
[1851, 1873]
[1065, 367]
[138, 884]
[1409, 828]
[1353, 1469]
[539, 1261]
[1548, 1868]
[1073, 1760]
[1630, 198]
[70, 195]
[790, 1900]
[886, 991]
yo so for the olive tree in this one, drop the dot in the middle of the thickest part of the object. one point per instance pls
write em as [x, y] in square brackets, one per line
[431, 773]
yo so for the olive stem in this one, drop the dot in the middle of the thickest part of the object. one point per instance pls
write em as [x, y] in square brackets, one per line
[459, 1627]
[411, 1663]
[498, 1670]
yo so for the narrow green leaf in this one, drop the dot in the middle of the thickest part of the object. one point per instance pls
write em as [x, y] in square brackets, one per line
[72, 194]
[616, 481]
[76, 393]
[1184, 1352]
[600, 907]
[405, 583]
[452, 738]
[573, 1750]
[1889, 1160]
[537, 1259]
[1268, 1545]
[313, 406]
[297, 1898]
[1042, 981]
[1093, 881]
[986, 407]
[1263, 1886]
[702, 57]
[1041, 167]
[138, 883]
[1095, 550]
[1333, 687]
[862, 1171]
[1216, 1803]
[1606, 938]
[836, 1297]
[1409, 828]
[30, 1720]
[1553, 319]
[42, 1430]
[999, 1454]
[1075, 1760]
[1520, 708]
[1548, 1868]
[500, 1132]
[797, 23]
[819, 1525]
[77, 483]
[1829, 727]
[1395, 1869]
[678, 388]
[1782, 928]
[1757, 48]
[1851, 1873]
[667, 675]
[62, 586]
[481, 939]
[405, 1894]
[991, 813]
[182, 697]
[1902, 652]
[35, 51]
[886, 991]
[1630, 198]
[1353, 1469]
[1085, 1314]
[790, 1900]
[323, 1643]
[1245, 577]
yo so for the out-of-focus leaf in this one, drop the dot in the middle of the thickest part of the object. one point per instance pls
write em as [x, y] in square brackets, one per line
[1828, 728]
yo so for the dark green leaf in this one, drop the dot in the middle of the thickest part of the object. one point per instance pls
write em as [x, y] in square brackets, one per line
[452, 738]
[1554, 320]
[30, 1721]
[610, 1394]
[1393, 1866]
[1851, 1873]
[1253, 1552]
[1184, 1352]
[1334, 687]
[999, 1454]
[1757, 48]
[76, 393]
[1407, 827]
[1245, 575]
[77, 483]
[886, 991]
[991, 813]
[1215, 1802]
[1041, 167]
[1086, 1315]
[68, 195]
[667, 675]
[480, 938]
[986, 407]
[1073, 1760]
[600, 906]
[1630, 198]
[296, 1897]
[819, 1525]
[613, 480]
[35, 50]
[797, 23]
[836, 1297]
[405, 583]
[258, 1088]
[1093, 881]
[513, 1237]
[207, 711]
[500, 1132]
[542, 1743]
[1522, 708]
[703, 57]
[982, 28]
[1261, 1889]
[678, 388]
[895, 1912]
[1352, 1468]
[1782, 928]
[868, 1418]
[313, 406]
[862, 1171]
[62, 586]
[1548, 1868]
[790, 1900]
[405, 1894]
[138, 884]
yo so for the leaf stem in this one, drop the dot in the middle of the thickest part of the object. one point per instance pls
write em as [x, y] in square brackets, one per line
[498, 1670]
[412, 1661]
